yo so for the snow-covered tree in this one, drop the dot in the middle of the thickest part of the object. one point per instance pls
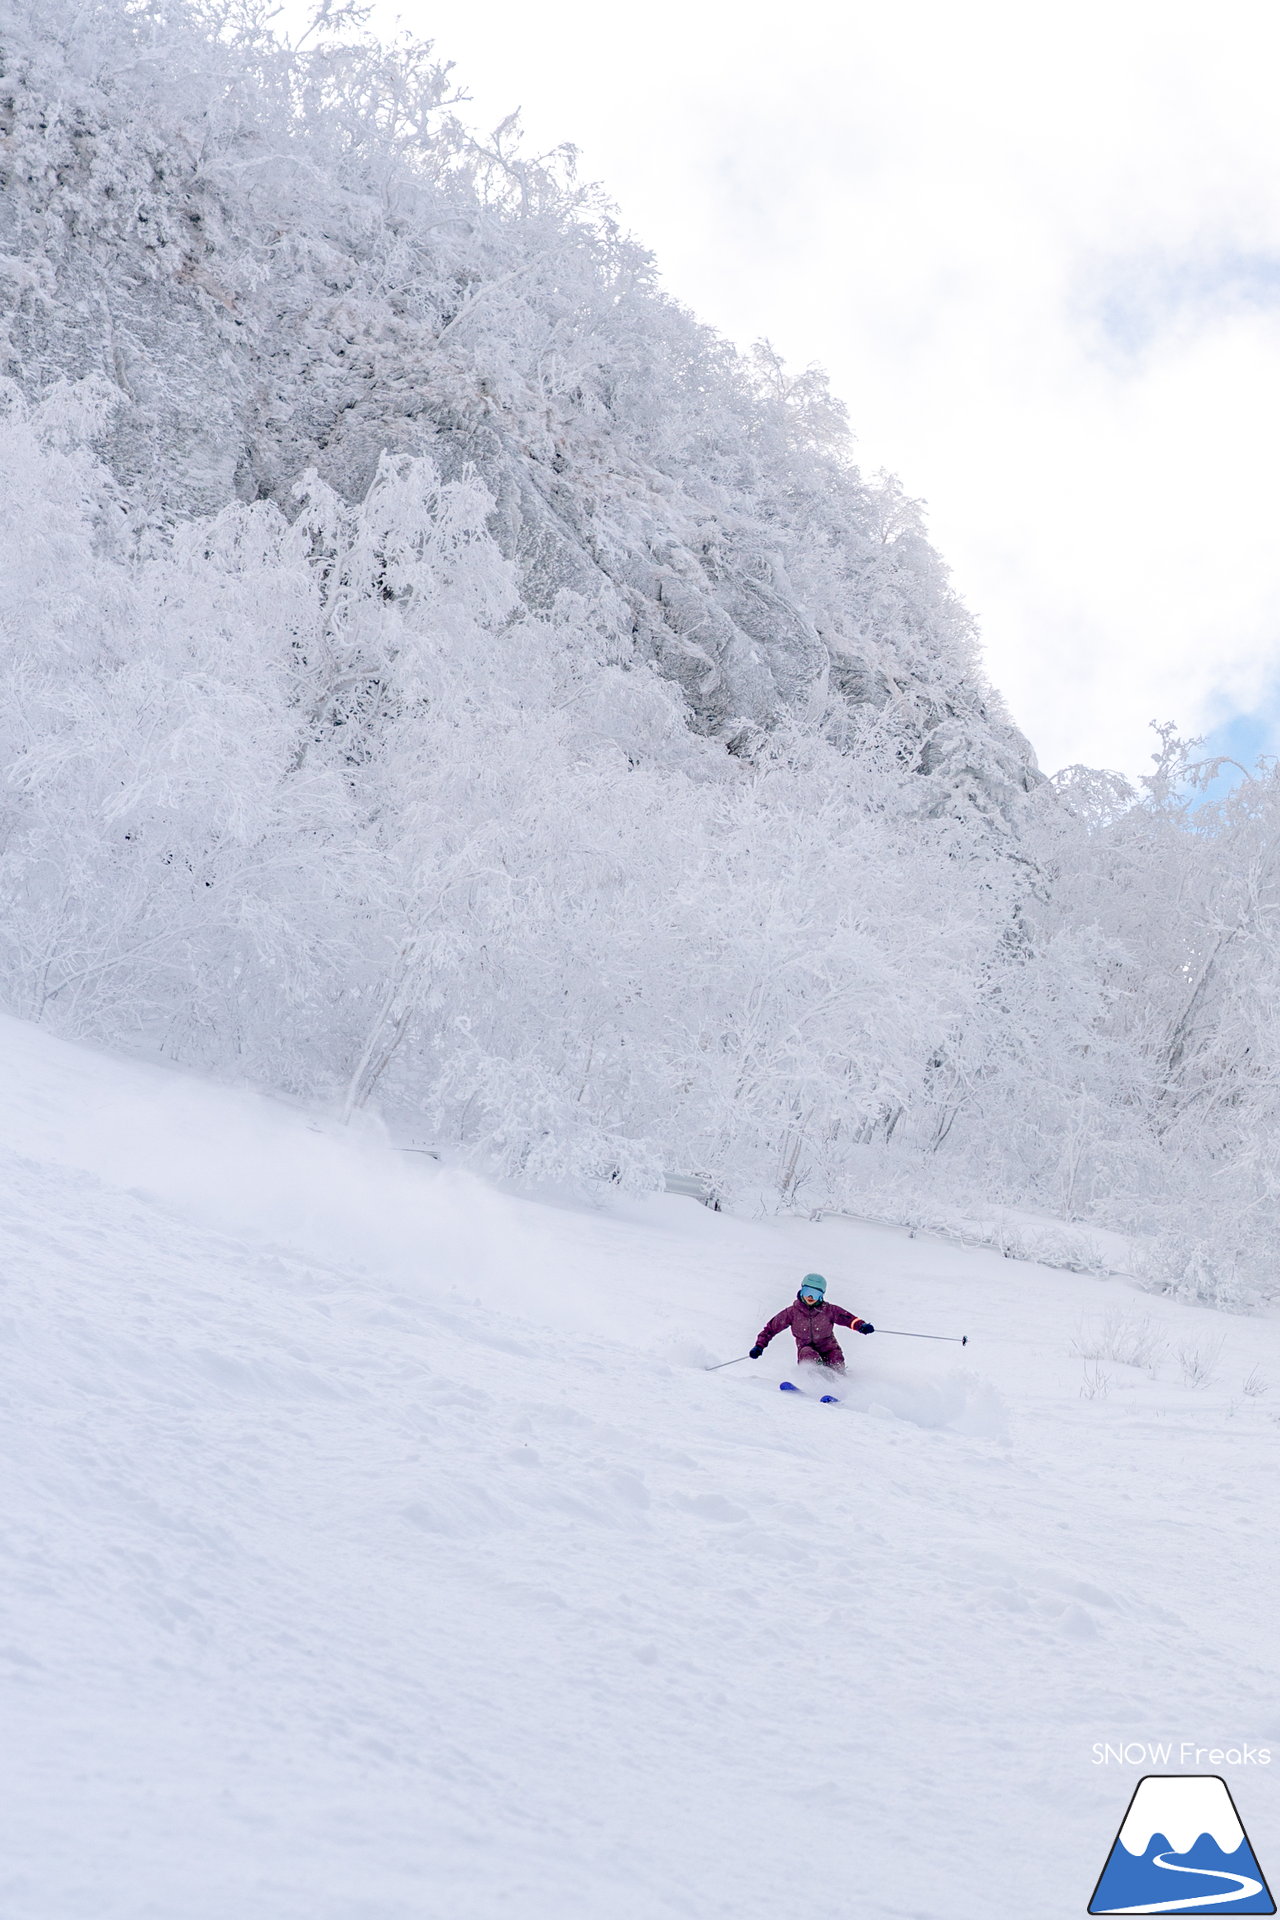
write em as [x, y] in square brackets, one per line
[435, 672]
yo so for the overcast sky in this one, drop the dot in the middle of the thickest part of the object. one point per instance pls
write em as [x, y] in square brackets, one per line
[1037, 247]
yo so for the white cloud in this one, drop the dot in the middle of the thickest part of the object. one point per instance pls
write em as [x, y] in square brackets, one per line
[1038, 250]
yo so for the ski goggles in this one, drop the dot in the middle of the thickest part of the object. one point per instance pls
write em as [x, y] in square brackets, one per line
[810, 1299]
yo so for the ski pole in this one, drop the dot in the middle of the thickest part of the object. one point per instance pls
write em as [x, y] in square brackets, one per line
[726, 1363]
[960, 1339]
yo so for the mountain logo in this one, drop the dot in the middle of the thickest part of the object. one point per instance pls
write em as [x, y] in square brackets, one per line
[1181, 1849]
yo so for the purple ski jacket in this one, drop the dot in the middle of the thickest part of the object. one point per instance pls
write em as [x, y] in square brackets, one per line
[813, 1327]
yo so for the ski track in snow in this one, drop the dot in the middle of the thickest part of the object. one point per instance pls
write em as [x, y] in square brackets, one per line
[377, 1548]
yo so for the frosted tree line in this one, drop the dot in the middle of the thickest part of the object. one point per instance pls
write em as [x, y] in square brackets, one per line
[440, 678]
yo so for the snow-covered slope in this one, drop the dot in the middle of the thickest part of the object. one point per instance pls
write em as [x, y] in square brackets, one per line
[378, 1547]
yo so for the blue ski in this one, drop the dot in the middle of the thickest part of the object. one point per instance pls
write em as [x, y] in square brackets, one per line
[827, 1399]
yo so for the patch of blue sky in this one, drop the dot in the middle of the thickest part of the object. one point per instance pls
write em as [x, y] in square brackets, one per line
[1241, 741]
[1135, 299]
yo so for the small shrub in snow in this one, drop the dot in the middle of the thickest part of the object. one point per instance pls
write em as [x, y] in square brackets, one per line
[1183, 1266]
[1200, 1363]
[1130, 1339]
[1096, 1383]
[1049, 1247]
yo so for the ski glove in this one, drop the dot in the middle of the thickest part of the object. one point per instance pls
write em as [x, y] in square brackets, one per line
[865, 1326]
[755, 1353]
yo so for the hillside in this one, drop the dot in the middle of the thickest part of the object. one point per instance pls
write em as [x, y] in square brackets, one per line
[441, 679]
[379, 1546]
[285, 263]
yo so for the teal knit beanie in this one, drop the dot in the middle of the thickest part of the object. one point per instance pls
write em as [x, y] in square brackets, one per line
[813, 1283]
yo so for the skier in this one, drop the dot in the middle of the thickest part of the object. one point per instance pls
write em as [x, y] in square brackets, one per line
[812, 1321]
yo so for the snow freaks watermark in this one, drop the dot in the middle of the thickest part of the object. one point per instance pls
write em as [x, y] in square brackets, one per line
[1181, 1848]
[1177, 1753]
